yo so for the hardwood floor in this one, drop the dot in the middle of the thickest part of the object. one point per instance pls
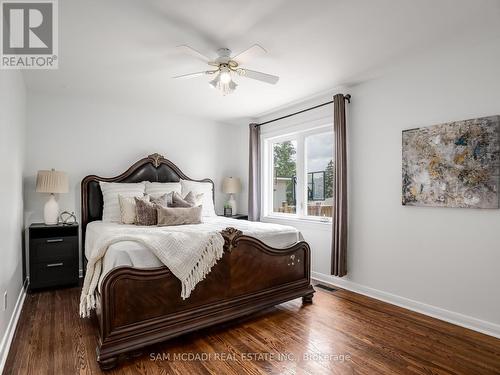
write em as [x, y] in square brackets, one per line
[340, 333]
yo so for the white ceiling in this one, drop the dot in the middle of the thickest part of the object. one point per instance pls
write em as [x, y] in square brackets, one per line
[125, 49]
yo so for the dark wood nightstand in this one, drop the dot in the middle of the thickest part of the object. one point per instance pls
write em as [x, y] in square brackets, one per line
[238, 216]
[53, 255]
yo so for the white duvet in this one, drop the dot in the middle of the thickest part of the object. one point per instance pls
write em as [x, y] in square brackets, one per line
[135, 254]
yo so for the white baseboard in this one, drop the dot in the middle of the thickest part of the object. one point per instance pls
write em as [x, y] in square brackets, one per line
[11, 328]
[462, 320]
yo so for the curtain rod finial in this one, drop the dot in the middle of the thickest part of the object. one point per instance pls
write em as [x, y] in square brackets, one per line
[348, 98]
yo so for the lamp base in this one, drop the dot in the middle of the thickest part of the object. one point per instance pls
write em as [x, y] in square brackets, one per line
[51, 211]
[232, 203]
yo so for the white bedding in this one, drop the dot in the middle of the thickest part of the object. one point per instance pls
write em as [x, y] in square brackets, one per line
[134, 254]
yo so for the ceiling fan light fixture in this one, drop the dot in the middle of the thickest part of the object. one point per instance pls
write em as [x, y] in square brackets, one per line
[226, 67]
[215, 82]
[224, 88]
[225, 75]
[227, 88]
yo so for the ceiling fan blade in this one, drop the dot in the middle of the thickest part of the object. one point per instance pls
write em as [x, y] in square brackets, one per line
[259, 76]
[193, 75]
[193, 52]
[254, 51]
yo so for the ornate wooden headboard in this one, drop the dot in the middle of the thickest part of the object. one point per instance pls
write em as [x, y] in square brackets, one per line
[154, 168]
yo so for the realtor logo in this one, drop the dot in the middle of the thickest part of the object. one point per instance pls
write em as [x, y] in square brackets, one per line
[29, 34]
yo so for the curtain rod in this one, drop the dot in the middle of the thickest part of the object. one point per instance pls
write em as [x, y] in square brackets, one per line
[346, 97]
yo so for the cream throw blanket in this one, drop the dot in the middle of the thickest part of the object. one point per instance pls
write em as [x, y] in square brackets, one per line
[189, 255]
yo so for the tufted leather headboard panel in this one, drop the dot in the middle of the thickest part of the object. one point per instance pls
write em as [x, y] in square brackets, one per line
[154, 168]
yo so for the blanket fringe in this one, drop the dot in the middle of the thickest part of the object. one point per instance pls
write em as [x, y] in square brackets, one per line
[215, 244]
[87, 303]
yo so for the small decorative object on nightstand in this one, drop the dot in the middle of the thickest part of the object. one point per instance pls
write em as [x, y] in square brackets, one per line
[52, 182]
[66, 218]
[228, 210]
[231, 186]
[53, 255]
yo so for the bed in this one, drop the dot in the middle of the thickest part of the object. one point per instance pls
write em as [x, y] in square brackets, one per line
[138, 299]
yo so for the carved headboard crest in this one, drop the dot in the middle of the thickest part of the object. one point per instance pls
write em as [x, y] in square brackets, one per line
[156, 159]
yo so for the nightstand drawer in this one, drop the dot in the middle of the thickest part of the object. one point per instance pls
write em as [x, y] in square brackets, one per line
[53, 249]
[54, 273]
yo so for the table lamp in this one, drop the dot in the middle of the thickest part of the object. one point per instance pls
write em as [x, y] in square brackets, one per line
[231, 186]
[52, 182]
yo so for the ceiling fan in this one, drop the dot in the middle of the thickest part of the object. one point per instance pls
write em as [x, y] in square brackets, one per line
[227, 67]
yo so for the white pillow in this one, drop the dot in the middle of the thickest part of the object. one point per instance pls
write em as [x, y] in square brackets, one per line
[159, 188]
[205, 188]
[110, 192]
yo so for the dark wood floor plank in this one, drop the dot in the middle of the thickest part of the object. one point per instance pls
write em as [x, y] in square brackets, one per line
[379, 338]
[486, 342]
[413, 346]
[469, 356]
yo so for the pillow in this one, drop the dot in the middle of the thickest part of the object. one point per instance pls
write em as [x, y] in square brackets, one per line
[168, 216]
[178, 201]
[145, 212]
[190, 200]
[127, 209]
[205, 188]
[110, 192]
[164, 200]
[195, 200]
[160, 188]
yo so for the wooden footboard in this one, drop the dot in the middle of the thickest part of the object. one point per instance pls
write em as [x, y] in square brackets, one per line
[139, 307]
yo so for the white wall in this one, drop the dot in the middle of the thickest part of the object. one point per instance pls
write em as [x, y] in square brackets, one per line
[83, 135]
[239, 159]
[12, 133]
[442, 257]
[441, 261]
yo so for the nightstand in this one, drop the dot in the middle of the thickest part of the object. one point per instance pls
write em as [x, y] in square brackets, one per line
[53, 255]
[238, 216]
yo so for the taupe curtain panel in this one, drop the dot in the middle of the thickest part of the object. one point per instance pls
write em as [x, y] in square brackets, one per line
[339, 232]
[254, 174]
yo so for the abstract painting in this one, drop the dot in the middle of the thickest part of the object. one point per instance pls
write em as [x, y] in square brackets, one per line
[452, 165]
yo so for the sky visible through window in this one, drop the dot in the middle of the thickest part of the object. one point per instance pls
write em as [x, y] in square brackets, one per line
[319, 151]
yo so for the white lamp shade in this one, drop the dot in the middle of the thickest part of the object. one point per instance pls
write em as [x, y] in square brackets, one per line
[51, 182]
[231, 185]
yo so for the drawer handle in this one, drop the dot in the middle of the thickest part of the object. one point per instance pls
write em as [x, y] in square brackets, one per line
[55, 240]
[55, 265]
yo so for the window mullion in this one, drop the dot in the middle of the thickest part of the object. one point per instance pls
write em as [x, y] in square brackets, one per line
[300, 190]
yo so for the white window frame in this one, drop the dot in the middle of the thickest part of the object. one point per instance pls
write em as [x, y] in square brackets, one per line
[298, 133]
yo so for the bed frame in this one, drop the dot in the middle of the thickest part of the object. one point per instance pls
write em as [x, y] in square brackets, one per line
[140, 307]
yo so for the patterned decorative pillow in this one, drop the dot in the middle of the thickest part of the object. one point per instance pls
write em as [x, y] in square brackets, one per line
[178, 201]
[168, 216]
[190, 200]
[164, 200]
[145, 212]
[194, 199]
[127, 209]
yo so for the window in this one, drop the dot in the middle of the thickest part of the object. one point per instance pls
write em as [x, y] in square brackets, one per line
[298, 171]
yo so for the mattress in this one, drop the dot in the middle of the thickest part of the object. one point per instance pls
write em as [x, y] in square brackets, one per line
[134, 254]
